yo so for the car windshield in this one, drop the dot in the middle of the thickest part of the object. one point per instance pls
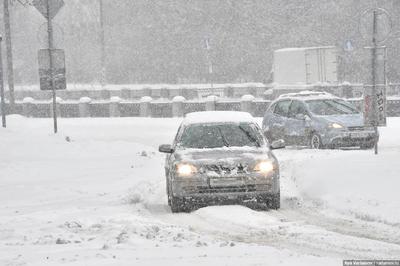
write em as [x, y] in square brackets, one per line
[201, 136]
[331, 107]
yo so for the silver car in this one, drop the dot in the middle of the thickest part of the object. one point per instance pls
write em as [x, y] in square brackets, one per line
[221, 158]
[318, 120]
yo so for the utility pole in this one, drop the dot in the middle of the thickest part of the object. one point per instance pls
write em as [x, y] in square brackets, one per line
[210, 70]
[10, 69]
[373, 74]
[103, 45]
[3, 104]
[51, 46]
[210, 64]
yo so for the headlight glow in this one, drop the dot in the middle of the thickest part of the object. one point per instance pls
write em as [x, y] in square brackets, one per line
[264, 167]
[185, 169]
[336, 125]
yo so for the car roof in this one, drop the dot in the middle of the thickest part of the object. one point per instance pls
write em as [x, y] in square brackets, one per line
[307, 95]
[218, 117]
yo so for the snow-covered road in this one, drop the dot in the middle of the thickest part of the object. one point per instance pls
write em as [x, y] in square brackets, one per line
[99, 199]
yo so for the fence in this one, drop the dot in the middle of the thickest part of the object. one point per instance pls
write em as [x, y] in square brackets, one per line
[258, 90]
[190, 92]
[149, 107]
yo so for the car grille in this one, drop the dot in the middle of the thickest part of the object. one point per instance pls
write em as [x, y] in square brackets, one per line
[230, 189]
[224, 170]
[359, 128]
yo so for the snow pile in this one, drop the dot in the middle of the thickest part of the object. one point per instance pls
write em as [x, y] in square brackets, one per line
[356, 182]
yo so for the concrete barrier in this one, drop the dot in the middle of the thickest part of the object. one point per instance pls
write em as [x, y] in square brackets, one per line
[84, 106]
[177, 106]
[211, 102]
[114, 106]
[27, 106]
[145, 109]
[246, 103]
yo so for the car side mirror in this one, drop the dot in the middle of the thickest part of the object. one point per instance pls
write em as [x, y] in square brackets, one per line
[277, 144]
[165, 148]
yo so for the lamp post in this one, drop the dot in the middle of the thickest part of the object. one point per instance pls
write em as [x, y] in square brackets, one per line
[51, 63]
[102, 43]
[10, 67]
[3, 104]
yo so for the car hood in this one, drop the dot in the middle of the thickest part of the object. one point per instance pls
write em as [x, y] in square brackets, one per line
[226, 155]
[353, 120]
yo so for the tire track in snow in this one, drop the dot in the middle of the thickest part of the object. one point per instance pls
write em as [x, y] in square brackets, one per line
[303, 230]
[294, 210]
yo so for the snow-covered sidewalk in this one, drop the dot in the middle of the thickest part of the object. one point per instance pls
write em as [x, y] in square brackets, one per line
[95, 195]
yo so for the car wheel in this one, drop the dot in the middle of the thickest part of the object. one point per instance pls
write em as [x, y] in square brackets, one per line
[180, 205]
[168, 195]
[269, 202]
[315, 141]
[274, 202]
[367, 146]
[176, 204]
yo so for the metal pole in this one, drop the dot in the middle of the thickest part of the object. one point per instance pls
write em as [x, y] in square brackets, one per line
[10, 68]
[373, 69]
[103, 46]
[3, 103]
[212, 82]
[210, 72]
[53, 89]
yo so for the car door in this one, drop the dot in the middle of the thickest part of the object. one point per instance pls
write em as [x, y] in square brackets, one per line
[297, 124]
[276, 124]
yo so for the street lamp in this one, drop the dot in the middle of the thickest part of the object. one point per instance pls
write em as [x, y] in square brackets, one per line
[3, 104]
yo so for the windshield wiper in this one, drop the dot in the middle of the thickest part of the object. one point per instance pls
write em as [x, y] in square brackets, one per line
[223, 138]
[248, 134]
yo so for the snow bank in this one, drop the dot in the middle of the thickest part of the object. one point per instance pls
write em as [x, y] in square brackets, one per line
[355, 182]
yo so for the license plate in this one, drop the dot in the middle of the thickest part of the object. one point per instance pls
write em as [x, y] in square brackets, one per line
[358, 135]
[225, 182]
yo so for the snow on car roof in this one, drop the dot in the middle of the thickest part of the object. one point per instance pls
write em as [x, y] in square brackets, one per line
[218, 117]
[308, 95]
[292, 49]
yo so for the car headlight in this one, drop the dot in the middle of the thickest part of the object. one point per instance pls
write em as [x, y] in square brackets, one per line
[335, 125]
[264, 167]
[185, 169]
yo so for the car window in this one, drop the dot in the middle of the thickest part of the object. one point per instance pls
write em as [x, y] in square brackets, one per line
[282, 108]
[296, 107]
[331, 107]
[200, 136]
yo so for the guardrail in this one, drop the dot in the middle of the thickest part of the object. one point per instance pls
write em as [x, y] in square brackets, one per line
[136, 92]
[149, 107]
[191, 91]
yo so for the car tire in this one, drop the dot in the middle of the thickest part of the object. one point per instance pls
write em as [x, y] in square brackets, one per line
[315, 141]
[367, 146]
[274, 202]
[168, 193]
[269, 202]
[180, 205]
[176, 204]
